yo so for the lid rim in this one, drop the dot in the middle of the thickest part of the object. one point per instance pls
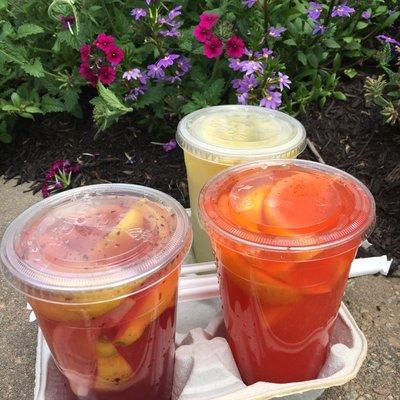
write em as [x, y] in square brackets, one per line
[362, 229]
[21, 274]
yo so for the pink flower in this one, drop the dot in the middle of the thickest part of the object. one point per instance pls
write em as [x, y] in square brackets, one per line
[104, 41]
[85, 52]
[213, 47]
[235, 47]
[106, 74]
[208, 20]
[201, 33]
[86, 72]
[114, 54]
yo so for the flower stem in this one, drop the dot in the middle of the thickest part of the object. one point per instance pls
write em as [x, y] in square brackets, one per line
[329, 15]
[215, 68]
[266, 15]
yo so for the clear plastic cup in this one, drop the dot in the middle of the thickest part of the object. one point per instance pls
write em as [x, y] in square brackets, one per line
[215, 138]
[284, 234]
[100, 266]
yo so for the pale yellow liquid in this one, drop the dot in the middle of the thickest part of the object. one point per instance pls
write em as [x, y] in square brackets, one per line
[233, 131]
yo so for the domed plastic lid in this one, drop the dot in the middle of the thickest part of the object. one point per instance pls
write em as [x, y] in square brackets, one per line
[235, 134]
[94, 238]
[287, 205]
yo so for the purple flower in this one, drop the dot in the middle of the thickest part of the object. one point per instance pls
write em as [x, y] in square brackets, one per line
[342, 11]
[148, 2]
[251, 67]
[250, 3]
[132, 74]
[272, 100]
[388, 39]
[175, 12]
[243, 98]
[284, 81]
[138, 13]
[366, 14]
[167, 61]
[169, 146]
[134, 94]
[67, 21]
[319, 29]
[184, 65]
[234, 64]
[276, 32]
[154, 71]
[314, 11]
[247, 84]
[58, 185]
[265, 53]
[172, 32]
[236, 83]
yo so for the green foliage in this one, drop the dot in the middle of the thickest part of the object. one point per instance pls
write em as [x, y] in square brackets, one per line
[384, 90]
[40, 59]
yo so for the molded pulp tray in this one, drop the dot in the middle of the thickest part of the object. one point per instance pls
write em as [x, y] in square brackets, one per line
[205, 368]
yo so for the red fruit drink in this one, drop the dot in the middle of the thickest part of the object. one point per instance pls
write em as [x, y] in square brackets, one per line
[100, 268]
[284, 234]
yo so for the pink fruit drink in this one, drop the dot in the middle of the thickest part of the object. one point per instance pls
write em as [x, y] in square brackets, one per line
[100, 270]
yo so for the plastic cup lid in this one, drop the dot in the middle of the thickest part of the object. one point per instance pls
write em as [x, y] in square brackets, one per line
[234, 134]
[287, 205]
[94, 238]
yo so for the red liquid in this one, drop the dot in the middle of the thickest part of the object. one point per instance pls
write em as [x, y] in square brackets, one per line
[279, 306]
[122, 348]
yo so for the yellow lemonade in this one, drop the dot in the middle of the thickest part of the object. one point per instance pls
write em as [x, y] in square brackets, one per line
[215, 138]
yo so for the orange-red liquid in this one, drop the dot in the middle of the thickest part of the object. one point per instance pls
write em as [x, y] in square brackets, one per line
[280, 306]
[123, 348]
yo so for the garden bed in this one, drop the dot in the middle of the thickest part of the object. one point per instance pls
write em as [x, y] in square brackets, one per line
[346, 134]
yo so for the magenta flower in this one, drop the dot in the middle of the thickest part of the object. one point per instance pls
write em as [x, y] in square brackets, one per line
[208, 20]
[103, 41]
[114, 54]
[366, 14]
[169, 146]
[201, 33]
[272, 100]
[213, 47]
[235, 47]
[276, 32]
[284, 81]
[106, 74]
[314, 11]
[154, 71]
[85, 52]
[342, 11]
[58, 176]
[86, 72]
[138, 13]
[67, 21]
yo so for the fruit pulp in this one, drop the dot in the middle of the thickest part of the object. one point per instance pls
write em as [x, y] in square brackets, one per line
[122, 348]
[280, 306]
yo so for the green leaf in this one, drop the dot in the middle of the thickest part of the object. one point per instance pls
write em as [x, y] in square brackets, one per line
[51, 104]
[361, 25]
[9, 108]
[5, 137]
[313, 60]
[214, 92]
[68, 38]
[190, 107]
[110, 98]
[3, 4]
[198, 76]
[290, 42]
[153, 95]
[332, 44]
[337, 62]
[302, 58]
[28, 30]
[351, 73]
[26, 115]
[339, 95]
[389, 21]
[348, 39]
[16, 100]
[71, 98]
[35, 69]
[33, 110]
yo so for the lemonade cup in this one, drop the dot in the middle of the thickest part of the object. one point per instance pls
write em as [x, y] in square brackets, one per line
[215, 138]
[284, 234]
[100, 265]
